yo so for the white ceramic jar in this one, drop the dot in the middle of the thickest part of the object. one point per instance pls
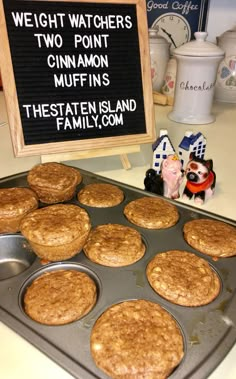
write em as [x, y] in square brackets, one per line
[168, 87]
[197, 64]
[226, 77]
[159, 54]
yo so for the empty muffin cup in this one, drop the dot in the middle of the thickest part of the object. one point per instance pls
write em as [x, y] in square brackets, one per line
[15, 255]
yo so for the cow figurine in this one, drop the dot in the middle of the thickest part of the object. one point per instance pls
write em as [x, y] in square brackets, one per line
[168, 182]
[201, 179]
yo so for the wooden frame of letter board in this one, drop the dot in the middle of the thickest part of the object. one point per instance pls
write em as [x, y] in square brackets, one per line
[9, 86]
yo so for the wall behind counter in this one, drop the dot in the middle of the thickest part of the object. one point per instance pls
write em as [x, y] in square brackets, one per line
[222, 17]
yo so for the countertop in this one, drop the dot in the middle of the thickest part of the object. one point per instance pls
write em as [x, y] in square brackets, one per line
[19, 359]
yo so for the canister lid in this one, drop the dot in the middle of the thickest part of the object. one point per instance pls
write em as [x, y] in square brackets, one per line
[155, 37]
[199, 47]
[229, 34]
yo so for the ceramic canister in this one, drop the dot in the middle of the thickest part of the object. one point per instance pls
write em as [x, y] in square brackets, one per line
[159, 55]
[197, 64]
[168, 87]
[226, 77]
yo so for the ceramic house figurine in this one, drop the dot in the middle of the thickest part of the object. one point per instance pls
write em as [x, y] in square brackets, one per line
[161, 149]
[191, 143]
[201, 179]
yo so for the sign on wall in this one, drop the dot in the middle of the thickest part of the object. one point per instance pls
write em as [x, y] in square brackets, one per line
[76, 74]
[177, 20]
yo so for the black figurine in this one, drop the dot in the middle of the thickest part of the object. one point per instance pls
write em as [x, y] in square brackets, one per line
[153, 182]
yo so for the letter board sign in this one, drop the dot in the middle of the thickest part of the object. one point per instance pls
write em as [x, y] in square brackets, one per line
[76, 74]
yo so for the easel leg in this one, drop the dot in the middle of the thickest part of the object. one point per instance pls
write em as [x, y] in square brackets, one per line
[125, 161]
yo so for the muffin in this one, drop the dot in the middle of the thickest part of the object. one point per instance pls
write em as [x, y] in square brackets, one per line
[100, 195]
[15, 203]
[151, 213]
[56, 232]
[136, 339]
[183, 278]
[60, 297]
[114, 245]
[211, 237]
[53, 182]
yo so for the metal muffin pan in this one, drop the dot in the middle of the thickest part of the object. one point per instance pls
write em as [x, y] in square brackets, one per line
[209, 331]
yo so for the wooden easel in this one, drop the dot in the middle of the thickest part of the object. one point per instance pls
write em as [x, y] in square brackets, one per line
[36, 133]
[85, 154]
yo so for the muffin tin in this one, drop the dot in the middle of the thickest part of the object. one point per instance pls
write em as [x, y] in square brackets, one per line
[209, 331]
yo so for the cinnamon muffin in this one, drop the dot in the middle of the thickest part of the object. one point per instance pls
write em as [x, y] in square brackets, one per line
[136, 339]
[60, 297]
[183, 278]
[100, 195]
[56, 232]
[15, 203]
[151, 213]
[53, 182]
[211, 237]
[114, 245]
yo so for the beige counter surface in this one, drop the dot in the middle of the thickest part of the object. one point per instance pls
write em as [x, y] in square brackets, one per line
[18, 358]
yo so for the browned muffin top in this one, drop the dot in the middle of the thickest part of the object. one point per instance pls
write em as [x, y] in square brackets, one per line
[136, 339]
[183, 278]
[53, 176]
[59, 297]
[55, 224]
[114, 245]
[211, 237]
[151, 213]
[101, 195]
[16, 201]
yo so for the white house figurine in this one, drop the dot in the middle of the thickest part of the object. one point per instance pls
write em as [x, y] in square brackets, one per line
[162, 147]
[191, 143]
